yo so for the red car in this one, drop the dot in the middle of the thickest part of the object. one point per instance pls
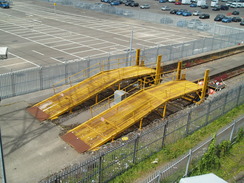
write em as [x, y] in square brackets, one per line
[178, 3]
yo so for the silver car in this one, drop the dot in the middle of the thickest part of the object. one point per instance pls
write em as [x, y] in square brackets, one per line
[165, 8]
[145, 6]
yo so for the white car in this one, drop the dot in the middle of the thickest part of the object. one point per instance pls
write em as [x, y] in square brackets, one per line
[145, 6]
[196, 13]
[165, 8]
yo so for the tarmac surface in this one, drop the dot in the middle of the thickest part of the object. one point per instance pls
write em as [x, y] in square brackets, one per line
[34, 150]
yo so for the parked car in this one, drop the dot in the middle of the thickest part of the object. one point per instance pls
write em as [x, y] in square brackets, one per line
[242, 22]
[134, 4]
[193, 5]
[179, 12]
[186, 13]
[173, 11]
[182, 23]
[204, 7]
[235, 12]
[227, 19]
[115, 3]
[224, 7]
[165, 8]
[196, 13]
[162, 1]
[178, 3]
[4, 4]
[145, 6]
[236, 19]
[219, 17]
[216, 8]
[204, 16]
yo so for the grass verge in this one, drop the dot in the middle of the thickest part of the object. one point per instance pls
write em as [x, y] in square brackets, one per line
[172, 151]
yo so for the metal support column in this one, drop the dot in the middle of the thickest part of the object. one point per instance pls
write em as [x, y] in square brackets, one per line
[138, 57]
[158, 70]
[205, 86]
[178, 73]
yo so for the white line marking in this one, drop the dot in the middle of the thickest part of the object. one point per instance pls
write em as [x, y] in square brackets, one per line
[24, 59]
[56, 60]
[37, 52]
[12, 64]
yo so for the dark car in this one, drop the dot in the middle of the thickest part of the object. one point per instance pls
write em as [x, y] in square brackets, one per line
[242, 22]
[4, 4]
[134, 4]
[224, 7]
[216, 8]
[204, 16]
[173, 11]
[193, 5]
[235, 13]
[236, 19]
[128, 3]
[204, 6]
[219, 17]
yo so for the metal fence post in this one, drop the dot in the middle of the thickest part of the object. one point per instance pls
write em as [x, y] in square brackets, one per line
[88, 67]
[4, 180]
[100, 168]
[13, 83]
[41, 78]
[159, 177]
[193, 47]
[188, 163]
[232, 131]
[66, 72]
[108, 67]
[164, 135]
[208, 111]
[238, 96]
[135, 148]
[188, 122]
[226, 96]
[170, 52]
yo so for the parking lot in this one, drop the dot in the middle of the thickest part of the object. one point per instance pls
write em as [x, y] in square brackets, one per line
[40, 34]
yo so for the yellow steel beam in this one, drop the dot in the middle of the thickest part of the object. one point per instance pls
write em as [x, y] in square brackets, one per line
[178, 73]
[158, 70]
[138, 57]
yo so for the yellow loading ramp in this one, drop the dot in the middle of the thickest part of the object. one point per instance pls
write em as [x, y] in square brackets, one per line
[64, 101]
[105, 126]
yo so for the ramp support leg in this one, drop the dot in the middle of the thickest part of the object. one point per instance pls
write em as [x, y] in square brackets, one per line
[205, 86]
[179, 70]
[138, 57]
[164, 112]
[96, 100]
[140, 124]
[158, 70]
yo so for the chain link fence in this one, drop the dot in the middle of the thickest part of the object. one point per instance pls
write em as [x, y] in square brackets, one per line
[115, 158]
[180, 168]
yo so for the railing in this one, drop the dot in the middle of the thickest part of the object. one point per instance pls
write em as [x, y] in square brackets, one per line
[115, 158]
[181, 166]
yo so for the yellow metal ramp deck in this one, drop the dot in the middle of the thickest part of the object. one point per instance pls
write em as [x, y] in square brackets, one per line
[64, 101]
[121, 116]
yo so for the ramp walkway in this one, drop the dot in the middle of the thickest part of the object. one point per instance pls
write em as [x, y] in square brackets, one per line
[64, 101]
[105, 126]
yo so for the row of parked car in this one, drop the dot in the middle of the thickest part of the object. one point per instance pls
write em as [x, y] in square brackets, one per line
[227, 19]
[185, 12]
[131, 3]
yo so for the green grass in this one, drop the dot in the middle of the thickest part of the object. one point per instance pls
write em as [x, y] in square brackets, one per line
[179, 148]
[233, 164]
